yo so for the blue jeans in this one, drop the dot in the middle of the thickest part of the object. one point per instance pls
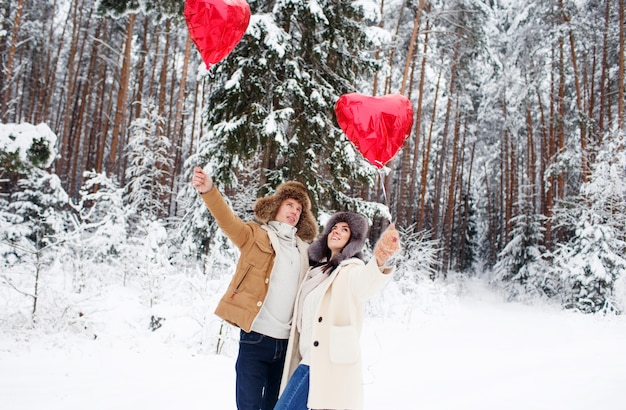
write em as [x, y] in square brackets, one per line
[296, 393]
[259, 370]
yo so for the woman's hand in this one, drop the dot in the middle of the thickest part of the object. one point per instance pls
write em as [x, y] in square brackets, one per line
[201, 181]
[387, 246]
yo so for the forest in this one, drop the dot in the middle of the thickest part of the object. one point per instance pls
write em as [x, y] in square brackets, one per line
[515, 166]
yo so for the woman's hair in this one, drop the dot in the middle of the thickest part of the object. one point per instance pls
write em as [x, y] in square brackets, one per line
[319, 253]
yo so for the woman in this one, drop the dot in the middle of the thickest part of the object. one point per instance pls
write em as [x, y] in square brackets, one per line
[323, 364]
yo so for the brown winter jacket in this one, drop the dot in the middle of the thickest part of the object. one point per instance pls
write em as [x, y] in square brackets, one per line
[249, 286]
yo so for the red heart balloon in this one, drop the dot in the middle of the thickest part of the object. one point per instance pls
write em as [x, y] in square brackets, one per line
[377, 126]
[216, 26]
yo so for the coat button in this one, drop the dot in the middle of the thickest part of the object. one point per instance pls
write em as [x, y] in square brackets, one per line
[259, 303]
[316, 343]
[319, 319]
[267, 280]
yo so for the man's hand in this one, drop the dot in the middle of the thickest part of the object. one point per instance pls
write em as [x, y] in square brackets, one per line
[201, 181]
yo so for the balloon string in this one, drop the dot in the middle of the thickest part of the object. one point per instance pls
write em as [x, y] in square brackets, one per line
[381, 178]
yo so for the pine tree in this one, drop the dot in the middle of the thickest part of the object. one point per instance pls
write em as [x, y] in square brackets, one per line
[154, 263]
[272, 100]
[149, 165]
[593, 260]
[466, 237]
[22, 148]
[520, 266]
[43, 222]
[40, 205]
[103, 220]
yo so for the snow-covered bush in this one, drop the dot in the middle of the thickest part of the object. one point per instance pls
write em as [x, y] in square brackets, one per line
[150, 165]
[103, 226]
[417, 262]
[593, 262]
[37, 226]
[520, 268]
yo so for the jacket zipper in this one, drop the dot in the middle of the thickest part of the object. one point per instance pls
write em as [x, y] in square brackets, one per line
[236, 290]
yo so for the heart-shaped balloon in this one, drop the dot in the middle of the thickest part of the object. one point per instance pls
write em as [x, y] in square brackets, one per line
[377, 126]
[216, 26]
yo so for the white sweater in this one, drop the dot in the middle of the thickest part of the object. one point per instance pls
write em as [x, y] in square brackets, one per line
[274, 318]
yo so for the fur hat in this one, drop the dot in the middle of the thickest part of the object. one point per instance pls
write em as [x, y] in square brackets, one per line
[358, 233]
[265, 208]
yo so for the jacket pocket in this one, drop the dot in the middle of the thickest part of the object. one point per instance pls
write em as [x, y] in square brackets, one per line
[238, 283]
[344, 344]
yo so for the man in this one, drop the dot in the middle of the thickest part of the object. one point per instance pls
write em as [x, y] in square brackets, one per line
[260, 297]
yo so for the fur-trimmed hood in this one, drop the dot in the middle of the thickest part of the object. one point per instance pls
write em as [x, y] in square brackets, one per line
[319, 251]
[265, 208]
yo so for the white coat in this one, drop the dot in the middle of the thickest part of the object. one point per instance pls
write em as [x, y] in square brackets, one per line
[335, 368]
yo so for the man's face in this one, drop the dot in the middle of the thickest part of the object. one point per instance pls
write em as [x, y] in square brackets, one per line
[289, 212]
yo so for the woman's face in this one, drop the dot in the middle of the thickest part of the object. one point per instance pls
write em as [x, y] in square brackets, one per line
[338, 237]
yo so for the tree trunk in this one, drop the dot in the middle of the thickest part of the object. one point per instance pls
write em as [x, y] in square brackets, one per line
[441, 163]
[164, 69]
[163, 94]
[531, 163]
[560, 122]
[492, 225]
[122, 99]
[179, 128]
[513, 194]
[589, 78]
[412, 43]
[604, 88]
[10, 60]
[4, 28]
[78, 112]
[197, 100]
[102, 110]
[584, 166]
[141, 69]
[405, 164]
[64, 146]
[451, 197]
[411, 198]
[620, 83]
[86, 110]
[463, 245]
[426, 158]
[52, 62]
[387, 88]
[551, 154]
[152, 79]
[377, 55]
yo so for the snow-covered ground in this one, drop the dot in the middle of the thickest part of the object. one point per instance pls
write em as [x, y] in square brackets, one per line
[472, 351]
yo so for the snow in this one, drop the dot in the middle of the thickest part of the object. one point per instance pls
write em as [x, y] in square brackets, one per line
[371, 9]
[263, 26]
[19, 138]
[465, 349]
[104, 377]
[485, 354]
[315, 9]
